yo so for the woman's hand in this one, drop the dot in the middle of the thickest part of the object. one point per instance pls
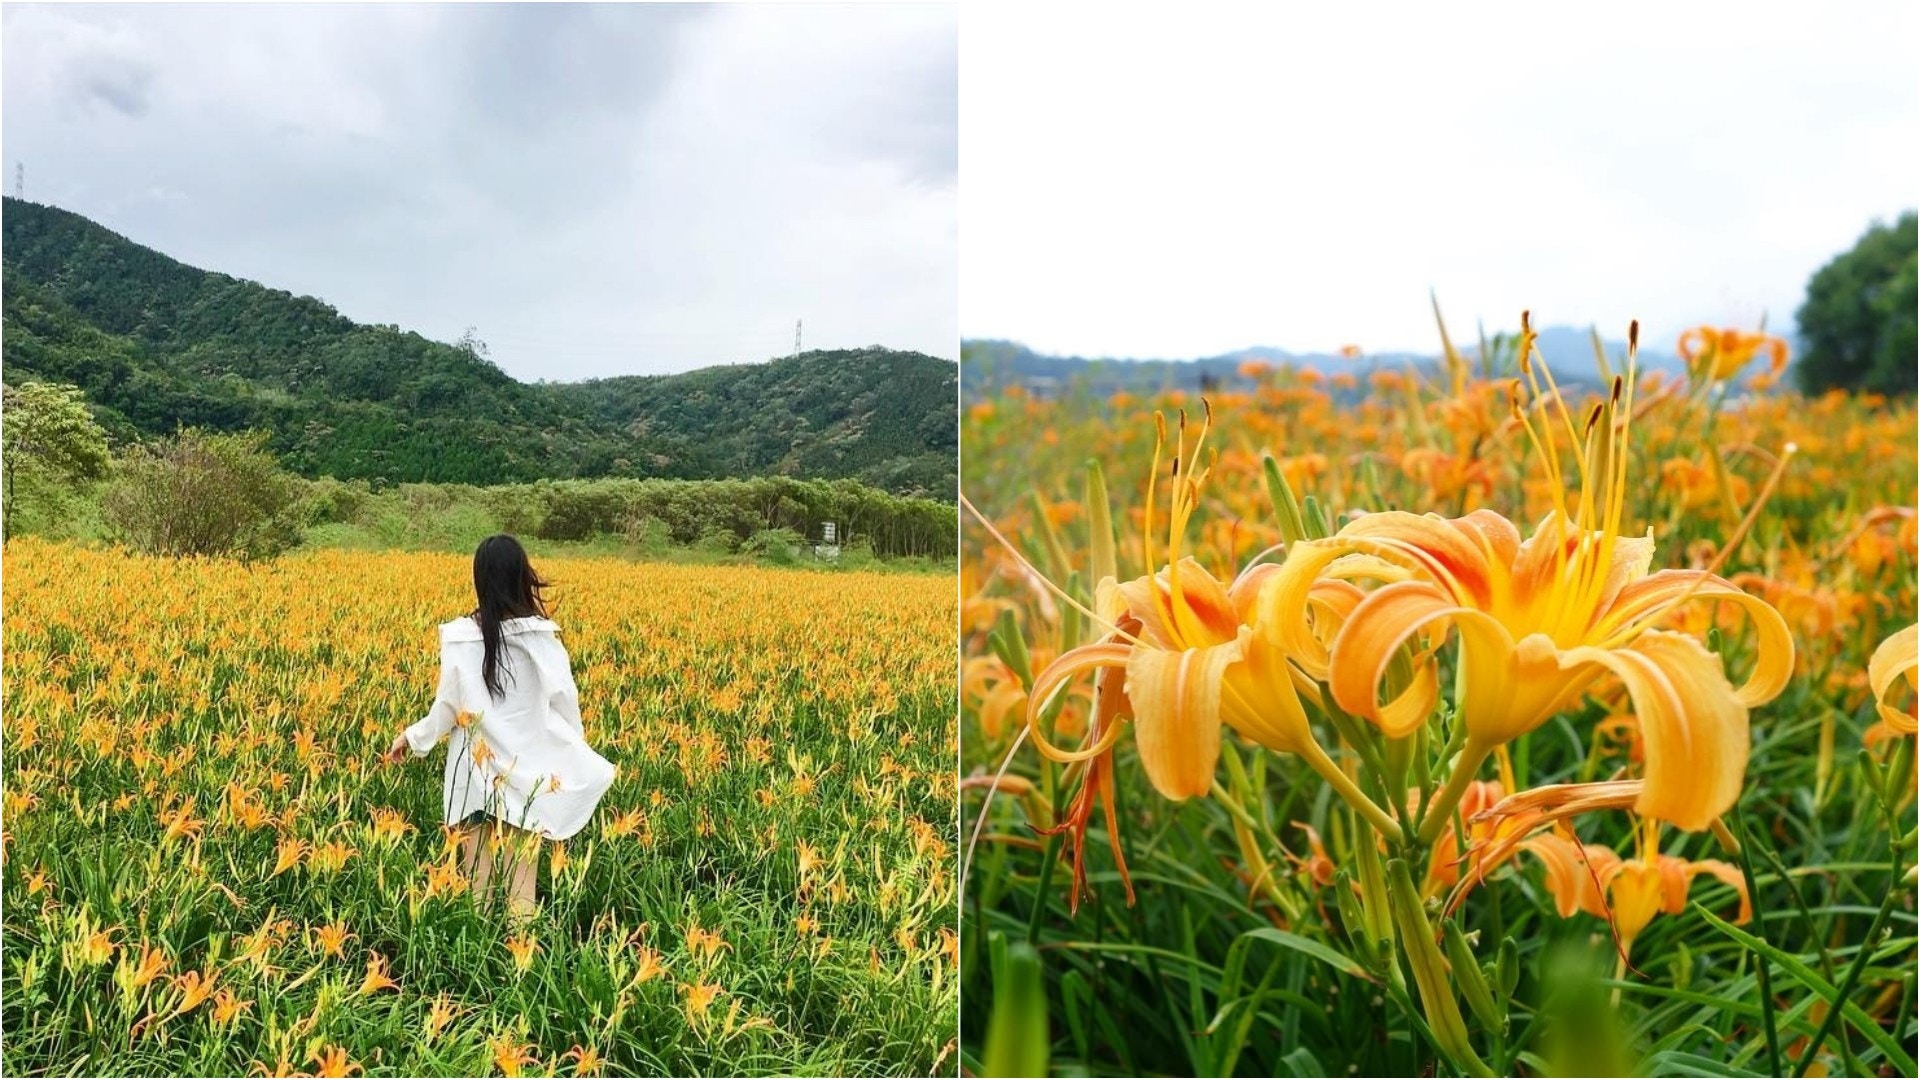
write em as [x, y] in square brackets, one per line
[398, 751]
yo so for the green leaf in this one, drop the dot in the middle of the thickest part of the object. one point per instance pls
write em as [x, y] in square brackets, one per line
[1346, 965]
[1017, 1040]
[1811, 979]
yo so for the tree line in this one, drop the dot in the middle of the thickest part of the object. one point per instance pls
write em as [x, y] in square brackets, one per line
[198, 492]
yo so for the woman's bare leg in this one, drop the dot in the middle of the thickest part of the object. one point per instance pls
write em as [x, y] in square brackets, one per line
[522, 898]
[501, 857]
[477, 856]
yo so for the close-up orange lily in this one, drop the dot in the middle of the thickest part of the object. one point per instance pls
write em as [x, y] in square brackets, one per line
[1539, 621]
[1193, 659]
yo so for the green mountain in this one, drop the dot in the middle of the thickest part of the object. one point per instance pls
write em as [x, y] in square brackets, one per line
[990, 364]
[156, 344]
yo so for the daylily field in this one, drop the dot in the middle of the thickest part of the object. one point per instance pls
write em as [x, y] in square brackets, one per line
[1519, 715]
[208, 872]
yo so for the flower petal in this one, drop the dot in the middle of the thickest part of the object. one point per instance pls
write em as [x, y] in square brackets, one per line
[1575, 872]
[1457, 561]
[1176, 706]
[1368, 643]
[1692, 722]
[1261, 701]
[1897, 656]
[1644, 602]
[1281, 611]
[1069, 666]
[1729, 876]
[1197, 613]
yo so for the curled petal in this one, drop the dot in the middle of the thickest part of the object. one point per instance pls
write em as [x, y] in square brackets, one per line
[1896, 657]
[1056, 675]
[1281, 610]
[1361, 566]
[1367, 644]
[1729, 876]
[1643, 603]
[1692, 724]
[1331, 603]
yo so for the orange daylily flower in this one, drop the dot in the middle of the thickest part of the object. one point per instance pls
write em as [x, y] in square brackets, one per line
[377, 979]
[704, 944]
[1194, 658]
[1316, 865]
[331, 938]
[1714, 355]
[132, 974]
[586, 1060]
[995, 691]
[195, 988]
[649, 966]
[700, 996]
[1539, 621]
[227, 1008]
[333, 1061]
[439, 1015]
[1629, 892]
[509, 1055]
[1443, 865]
[523, 947]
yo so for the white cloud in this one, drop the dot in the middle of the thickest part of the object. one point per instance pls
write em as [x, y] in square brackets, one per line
[599, 189]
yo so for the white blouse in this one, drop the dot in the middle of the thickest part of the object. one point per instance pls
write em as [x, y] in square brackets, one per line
[521, 758]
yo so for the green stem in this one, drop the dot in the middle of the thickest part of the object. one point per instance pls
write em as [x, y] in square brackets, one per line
[1440, 811]
[1846, 987]
[1348, 790]
[1762, 975]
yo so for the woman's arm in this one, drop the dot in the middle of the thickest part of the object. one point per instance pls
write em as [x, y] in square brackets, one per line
[427, 732]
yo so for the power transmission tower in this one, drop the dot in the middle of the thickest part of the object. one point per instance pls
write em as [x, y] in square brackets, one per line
[796, 337]
[19, 179]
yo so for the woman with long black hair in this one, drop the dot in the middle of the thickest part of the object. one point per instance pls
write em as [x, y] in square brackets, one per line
[518, 764]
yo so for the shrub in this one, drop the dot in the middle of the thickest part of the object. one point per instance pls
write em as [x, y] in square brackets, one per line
[577, 511]
[204, 494]
[645, 534]
[328, 501]
[718, 542]
[780, 547]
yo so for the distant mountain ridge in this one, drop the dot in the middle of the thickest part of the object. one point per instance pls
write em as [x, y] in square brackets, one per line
[988, 364]
[156, 344]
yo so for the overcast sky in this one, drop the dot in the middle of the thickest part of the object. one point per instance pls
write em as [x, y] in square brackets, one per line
[1190, 184]
[597, 189]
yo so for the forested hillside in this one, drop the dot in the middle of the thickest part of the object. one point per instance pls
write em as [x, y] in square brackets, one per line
[156, 344]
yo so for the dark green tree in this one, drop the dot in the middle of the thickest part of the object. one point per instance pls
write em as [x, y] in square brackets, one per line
[1857, 324]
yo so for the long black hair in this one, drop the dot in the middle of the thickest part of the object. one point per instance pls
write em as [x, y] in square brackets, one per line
[505, 587]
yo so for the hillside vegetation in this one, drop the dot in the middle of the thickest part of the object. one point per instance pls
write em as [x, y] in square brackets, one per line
[156, 344]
